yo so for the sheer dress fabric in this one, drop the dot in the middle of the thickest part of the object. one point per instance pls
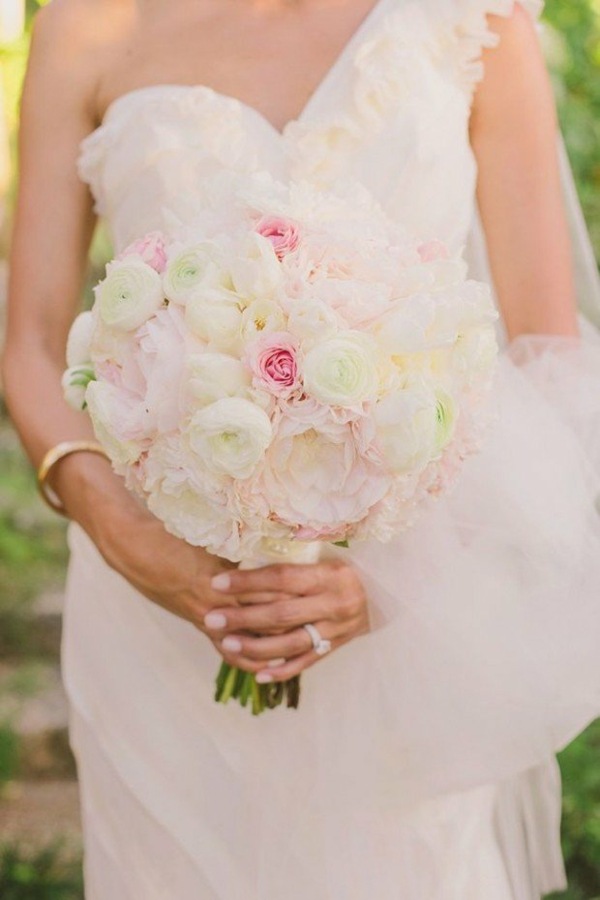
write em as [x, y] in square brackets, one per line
[421, 763]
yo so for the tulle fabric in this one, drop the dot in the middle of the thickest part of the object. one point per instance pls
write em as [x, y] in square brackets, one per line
[482, 663]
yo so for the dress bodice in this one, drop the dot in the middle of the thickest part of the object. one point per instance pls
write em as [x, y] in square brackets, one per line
[392, 113]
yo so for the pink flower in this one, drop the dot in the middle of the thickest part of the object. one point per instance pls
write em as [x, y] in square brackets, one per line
[273, 362]
[283, 234]
[151, 248]
[433, 250]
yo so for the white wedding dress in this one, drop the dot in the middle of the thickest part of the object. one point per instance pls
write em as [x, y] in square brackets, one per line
[420, 765]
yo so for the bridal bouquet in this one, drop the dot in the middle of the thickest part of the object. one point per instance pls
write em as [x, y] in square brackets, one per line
[293, 369]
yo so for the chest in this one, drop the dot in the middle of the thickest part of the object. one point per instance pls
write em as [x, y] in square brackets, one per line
[388, 117]
[270, 59]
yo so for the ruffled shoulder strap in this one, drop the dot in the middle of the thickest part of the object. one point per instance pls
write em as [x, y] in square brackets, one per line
[472, 31]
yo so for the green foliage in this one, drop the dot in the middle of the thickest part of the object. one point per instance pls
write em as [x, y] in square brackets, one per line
[43, 875]
[9, 754]
[573, 51]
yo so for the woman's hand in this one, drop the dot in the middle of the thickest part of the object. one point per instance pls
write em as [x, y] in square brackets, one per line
[166, 569]
[134, 543]
[265, 633]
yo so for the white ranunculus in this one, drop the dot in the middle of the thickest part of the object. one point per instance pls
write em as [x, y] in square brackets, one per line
[110, 415]
[193, 267]
[342, 371]
[256, 272]
[74, 384]
[129, 295]
[311, 320]
[215, 317]
[408, 429]
[80, 339]
[260, 317]
[230, 436]
[212, 376]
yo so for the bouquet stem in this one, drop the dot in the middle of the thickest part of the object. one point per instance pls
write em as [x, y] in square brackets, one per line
[235, 684]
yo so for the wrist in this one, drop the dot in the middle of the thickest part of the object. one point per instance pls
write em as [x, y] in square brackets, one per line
[95, 498]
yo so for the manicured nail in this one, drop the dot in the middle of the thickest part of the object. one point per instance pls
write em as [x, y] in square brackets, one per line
[274, 663]
[233, 644]
[264, 678]
[221, 582]
[215, 621]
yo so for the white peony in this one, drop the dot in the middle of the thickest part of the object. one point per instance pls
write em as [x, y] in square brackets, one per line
[80, 339]
[408, 428]
[212, 376]
[475, 355]
[315, 478]
[129, 295]
[215, 317]
[260, 317]
[407, 328]
[195, 518]
[256, 271]
[342, 371]
[230, 436]
[311, 320]
[192, 268]
[111, 413]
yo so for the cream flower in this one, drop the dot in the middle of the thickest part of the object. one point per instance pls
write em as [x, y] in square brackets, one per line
[260, 317]
[230, 436]
[256, 270]
[343, 370]
[74, 383]
[311, 320]
[80, 339]
[408, 429]
[315, 479]
[192, 268]
[111, 413]
[215, 316]
[129, 295]
[212, 376]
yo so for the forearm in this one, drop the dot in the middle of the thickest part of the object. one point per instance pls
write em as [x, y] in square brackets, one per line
[92, 494]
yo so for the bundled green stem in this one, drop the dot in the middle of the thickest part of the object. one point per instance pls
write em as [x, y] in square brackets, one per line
[234, 684]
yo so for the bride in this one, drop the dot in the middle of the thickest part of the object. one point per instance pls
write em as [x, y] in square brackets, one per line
[420, 765]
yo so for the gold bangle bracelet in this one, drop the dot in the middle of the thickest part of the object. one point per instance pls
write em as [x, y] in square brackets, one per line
[52, 457]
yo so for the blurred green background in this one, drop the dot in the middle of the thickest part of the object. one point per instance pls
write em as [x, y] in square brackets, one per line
[40, 845]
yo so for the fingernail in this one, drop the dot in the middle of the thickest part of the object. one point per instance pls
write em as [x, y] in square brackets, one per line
[264, 678]
[221, 581]
[215, 621]
[233, 644]
[275, 663]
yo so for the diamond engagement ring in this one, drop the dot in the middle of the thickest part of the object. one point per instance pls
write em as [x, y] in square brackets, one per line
[320, 645]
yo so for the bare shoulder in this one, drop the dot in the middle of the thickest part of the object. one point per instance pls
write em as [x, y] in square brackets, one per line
[71, 43]
[515, 91]
[517, 32]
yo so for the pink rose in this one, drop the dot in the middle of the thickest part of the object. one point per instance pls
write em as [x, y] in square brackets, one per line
[273, 362]
[151, 248]
[432, 251]
[283, 234]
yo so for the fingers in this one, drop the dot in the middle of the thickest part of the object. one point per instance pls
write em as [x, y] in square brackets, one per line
[259, 598]
[265, 649]
[272, 657]
[269, 618]
[281, 578]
